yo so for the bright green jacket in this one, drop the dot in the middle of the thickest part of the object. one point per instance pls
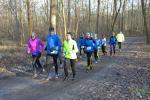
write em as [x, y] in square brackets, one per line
[70, 49]
[120, 37]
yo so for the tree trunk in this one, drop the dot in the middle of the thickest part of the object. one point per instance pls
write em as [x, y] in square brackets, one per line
[145, 21]
[17, 20]
[53, 13]
[107, 17]
[13, 8]
[64, 19]
[97, 21]
[69, 1]
[89, 15]
[29, 13]
[57, 17]
[123, 13]
[132, 18]
[115, 13]
[77, 15]
[22, 38]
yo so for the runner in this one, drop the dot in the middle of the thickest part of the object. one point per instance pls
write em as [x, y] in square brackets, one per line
[53, 50]
[81, 45]
[88, 49]
[120, 39]
[104, 43]
[96, 47]
[34, 47]
[112, 43]
[70, 50]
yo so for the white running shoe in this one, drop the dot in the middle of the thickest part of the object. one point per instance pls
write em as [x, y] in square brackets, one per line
[96, 62]
[43, 70]
[120, 50]
[56, 76]
[35, 75]
[53, 67]
[80, 56]
[49, 77]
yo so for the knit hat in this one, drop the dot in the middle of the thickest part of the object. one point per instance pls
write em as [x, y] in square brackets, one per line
[121, 32]
[33, 34]
[88, 33]
[51, 29]
[69, 33]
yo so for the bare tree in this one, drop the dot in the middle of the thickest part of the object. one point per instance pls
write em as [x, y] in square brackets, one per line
[97, 21]
[22, 36]
[145, 21]
[69, 2]
[116, 12]
[13, 8]
[123, 12]
[64, 18]
[21, 16]
[53, 13]
[89, 15]
[29, 13]
[77, 15]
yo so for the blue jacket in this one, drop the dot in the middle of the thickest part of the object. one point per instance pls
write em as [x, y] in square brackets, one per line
[112, 40]
[97, 43]
[81, 42]
[53, 44]
[89, 45]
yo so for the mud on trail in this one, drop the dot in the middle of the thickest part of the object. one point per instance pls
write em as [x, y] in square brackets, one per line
[125, 76]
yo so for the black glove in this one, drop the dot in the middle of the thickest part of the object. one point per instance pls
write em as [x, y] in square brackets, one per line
[45, 48]
[53, 49]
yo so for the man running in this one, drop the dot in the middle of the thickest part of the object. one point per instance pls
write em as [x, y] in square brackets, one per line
[97, 43]
[81, 45]
[113, 42]
[103, 46]
[88, 49]
[53, 49]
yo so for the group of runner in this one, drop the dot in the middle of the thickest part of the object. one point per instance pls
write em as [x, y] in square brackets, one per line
[88, 43]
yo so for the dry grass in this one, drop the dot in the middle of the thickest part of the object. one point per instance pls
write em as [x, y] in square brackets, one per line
[2, 69]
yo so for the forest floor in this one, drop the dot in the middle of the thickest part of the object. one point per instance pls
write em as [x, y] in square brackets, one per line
[125, 76]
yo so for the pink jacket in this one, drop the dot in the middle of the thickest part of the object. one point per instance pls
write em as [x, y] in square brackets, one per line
[35, 45]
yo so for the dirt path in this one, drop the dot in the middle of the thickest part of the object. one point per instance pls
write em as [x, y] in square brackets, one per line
[125, 76]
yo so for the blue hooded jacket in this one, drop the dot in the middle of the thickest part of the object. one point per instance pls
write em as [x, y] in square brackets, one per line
[81, 42]
[89, 45]
[113, 40]
[97, 43]
[53, 43]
